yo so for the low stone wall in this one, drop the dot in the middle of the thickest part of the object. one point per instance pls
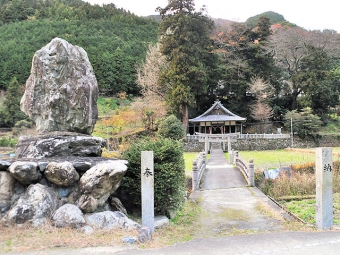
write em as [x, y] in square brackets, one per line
[270, 144]
[193, 146]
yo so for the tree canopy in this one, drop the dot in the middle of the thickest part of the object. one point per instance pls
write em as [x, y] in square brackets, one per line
[185, 41]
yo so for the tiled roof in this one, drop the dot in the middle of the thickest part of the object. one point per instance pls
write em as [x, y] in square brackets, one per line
[223, 114]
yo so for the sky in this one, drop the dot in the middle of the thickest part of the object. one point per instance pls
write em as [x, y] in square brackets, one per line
[311, 15]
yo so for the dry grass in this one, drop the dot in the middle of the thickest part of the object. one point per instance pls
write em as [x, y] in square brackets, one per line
[300, 183]
[28, 238]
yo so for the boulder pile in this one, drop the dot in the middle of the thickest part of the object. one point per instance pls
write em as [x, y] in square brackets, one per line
[59, 175]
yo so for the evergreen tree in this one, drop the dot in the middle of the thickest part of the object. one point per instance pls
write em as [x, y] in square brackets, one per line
[185, 41]
[11, 112]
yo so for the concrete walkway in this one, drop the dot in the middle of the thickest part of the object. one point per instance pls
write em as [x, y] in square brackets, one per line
[219, 173]
[230, 206]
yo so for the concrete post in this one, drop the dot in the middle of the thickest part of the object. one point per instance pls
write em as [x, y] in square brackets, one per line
[324, 188]
[147, 176]
[231, 156]
[235, 155]
[194, 175]
[229, 144]
[206, 144]
[251, 173]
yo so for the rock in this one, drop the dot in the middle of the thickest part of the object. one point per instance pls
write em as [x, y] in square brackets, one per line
[129, 239]
[19, 189]
[35, 206]
[62, 174]
[87, 230]
[116, 205]
[4, 165]
[7, 183]
[68, 215]
[25, 172]
[81, 164]
[87, 203]
[98, 183]
[61, 91]
[110, 220]
[42, 166]
[171, 213]
[64, 191]
[144, 235]
[59, 144]
[160, 221]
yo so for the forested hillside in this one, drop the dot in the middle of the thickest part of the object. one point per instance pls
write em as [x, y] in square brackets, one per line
[266, 69]
[114, 39]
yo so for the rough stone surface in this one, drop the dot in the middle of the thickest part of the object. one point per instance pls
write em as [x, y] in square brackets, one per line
[144, 235]
[81, 164]
[61, 91]
[87, 230]
[110, 220]
[129, 239]
[6, 190]
[98, 183]
[25, 172]
[87, 203]
[35, 206]
[68, 215]
[59, 144]
[62, 174]
[116, 205]
[161, 221]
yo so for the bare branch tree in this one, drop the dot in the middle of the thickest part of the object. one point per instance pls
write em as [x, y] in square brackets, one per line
[261, 89]
[148, 72]
[260, 110]
[291, 46]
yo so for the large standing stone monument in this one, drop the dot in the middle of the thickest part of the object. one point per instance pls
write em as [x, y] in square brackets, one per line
[59, 174]
[61, 92]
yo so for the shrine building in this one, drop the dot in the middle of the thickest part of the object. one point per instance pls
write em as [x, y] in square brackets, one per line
[216, 120]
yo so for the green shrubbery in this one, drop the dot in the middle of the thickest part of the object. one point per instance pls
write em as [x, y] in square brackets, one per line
[305, 123]
[168, 173]
[8, 141]
[172, 128]
[106, 105]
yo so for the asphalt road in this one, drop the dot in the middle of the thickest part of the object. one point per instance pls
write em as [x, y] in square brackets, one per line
[286, 243]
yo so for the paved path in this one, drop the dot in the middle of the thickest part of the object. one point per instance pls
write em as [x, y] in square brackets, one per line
[220, 174]
[230, 206]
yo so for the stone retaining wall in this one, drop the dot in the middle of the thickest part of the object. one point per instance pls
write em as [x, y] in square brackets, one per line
[270, 144]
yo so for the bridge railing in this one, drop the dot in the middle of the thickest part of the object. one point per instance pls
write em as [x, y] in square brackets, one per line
[201, 136]
[246, 168]
[198, 168]
[263, 136]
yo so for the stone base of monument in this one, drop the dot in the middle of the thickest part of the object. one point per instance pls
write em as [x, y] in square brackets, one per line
[61, 170]
[59, 144]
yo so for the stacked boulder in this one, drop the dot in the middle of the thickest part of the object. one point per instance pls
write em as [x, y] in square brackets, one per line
[59, 174]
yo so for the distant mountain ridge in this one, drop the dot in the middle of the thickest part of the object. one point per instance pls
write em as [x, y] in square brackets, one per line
[222, 24]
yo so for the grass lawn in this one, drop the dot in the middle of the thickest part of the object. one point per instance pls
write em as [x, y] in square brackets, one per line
[305, 209]
[277, 158]
[189, 157]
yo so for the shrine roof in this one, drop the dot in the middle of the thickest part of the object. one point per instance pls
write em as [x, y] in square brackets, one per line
[217, 112]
